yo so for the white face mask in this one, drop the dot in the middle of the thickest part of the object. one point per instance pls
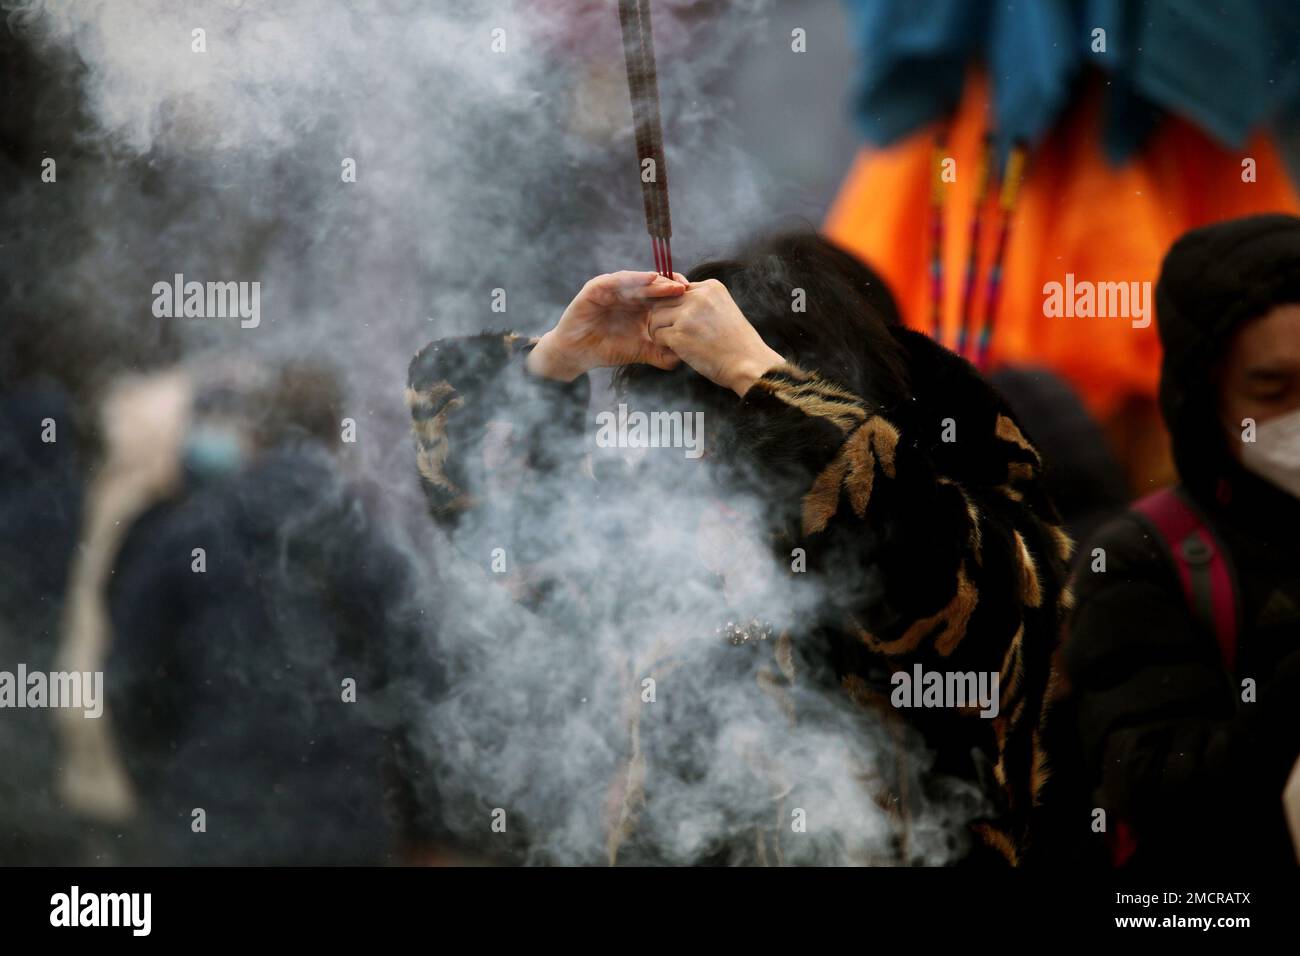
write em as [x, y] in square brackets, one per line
[1274, 455]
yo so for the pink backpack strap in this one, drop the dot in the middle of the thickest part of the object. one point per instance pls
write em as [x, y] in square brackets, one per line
[1201, 562]
[1209, 589]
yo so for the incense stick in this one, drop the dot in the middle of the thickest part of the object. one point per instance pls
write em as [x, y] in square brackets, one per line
[643, 91]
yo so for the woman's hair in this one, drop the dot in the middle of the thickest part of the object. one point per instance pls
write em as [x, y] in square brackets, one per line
[812, 302]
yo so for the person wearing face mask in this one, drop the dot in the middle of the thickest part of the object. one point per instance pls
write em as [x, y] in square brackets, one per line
[1183, 658]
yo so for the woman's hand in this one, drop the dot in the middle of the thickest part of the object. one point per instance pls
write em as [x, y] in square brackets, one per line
[605, 325]
[706, 329]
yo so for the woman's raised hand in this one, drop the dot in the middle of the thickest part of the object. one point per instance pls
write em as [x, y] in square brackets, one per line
[705, 328]
[606, 324]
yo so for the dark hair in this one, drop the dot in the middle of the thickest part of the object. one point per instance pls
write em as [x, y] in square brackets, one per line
[843, 333]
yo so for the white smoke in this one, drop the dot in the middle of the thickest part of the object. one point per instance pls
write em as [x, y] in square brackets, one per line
[476, 170]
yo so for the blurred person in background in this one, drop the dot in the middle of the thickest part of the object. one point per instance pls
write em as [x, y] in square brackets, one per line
[42, 456]
[57, 355]
[264, 645]
[1183, 659]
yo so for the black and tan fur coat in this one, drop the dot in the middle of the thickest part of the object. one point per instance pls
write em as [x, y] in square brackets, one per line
[945, 553]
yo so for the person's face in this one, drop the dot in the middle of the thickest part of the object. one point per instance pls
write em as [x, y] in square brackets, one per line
[1261, 372]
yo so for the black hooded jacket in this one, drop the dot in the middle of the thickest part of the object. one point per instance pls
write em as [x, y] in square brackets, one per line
[1170, 746]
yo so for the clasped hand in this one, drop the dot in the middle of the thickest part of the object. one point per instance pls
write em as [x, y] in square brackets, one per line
[629, 318]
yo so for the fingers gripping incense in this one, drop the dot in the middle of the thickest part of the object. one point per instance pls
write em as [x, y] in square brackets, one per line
[643, 90]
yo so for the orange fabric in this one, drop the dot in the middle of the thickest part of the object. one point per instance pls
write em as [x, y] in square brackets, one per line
[1076, 214]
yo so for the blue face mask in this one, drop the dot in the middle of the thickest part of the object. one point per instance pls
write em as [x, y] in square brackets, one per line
[212, 450]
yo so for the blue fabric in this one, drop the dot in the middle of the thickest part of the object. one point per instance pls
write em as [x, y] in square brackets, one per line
[913, 60]
[1030, 54]
[1228, 69]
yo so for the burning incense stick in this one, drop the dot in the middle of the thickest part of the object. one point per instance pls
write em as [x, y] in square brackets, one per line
[643, 90]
